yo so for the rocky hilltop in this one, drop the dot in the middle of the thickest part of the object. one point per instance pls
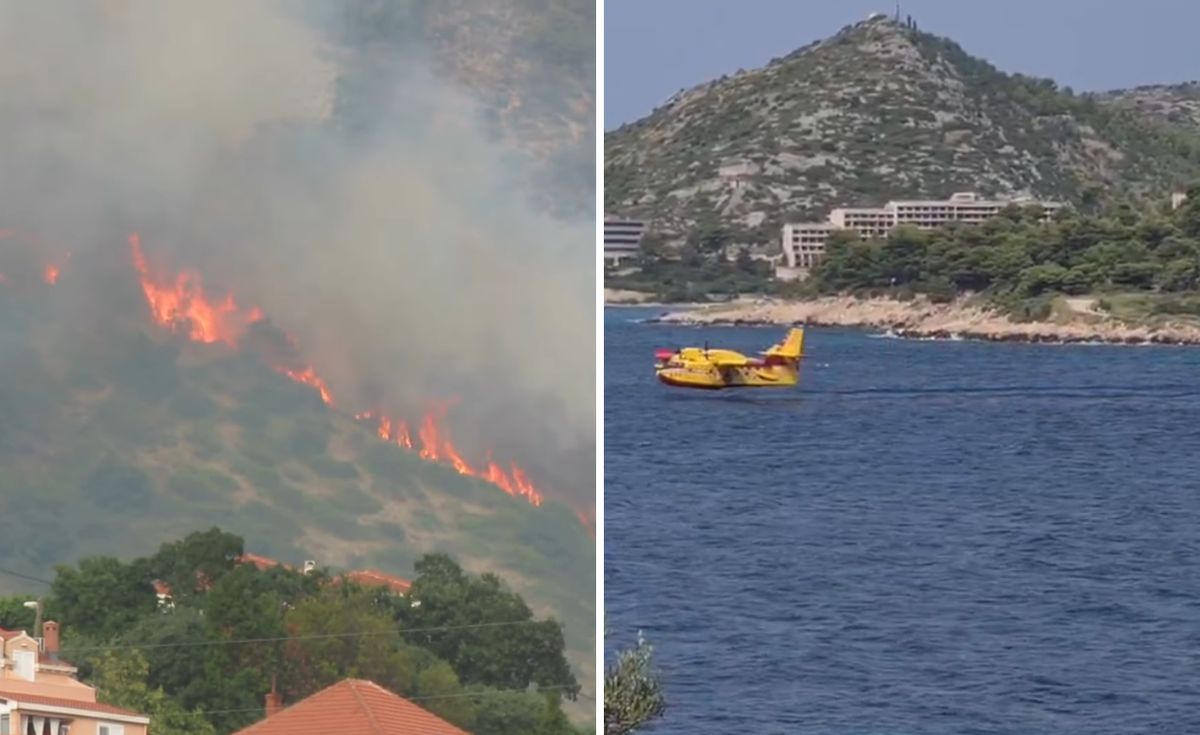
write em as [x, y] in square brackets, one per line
[530, 64]
[881, 110]
[1174, 104]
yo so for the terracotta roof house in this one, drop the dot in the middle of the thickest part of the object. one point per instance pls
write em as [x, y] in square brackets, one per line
[39, 694]
[365, 577]
[372, 578]
[352, 705]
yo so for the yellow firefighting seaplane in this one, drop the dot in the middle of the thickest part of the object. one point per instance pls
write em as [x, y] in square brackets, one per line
[714, 369]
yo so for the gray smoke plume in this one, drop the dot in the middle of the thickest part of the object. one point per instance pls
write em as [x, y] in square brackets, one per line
[355, 194]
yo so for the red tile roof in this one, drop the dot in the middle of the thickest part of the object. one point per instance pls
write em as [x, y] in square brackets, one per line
[262, 562]
[356, 706]
[370, 577]
[36, 699]
[366, 577]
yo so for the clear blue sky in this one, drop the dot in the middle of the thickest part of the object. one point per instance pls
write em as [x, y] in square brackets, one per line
[653, 48]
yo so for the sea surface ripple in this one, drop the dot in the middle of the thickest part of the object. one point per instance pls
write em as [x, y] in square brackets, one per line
[925, 537]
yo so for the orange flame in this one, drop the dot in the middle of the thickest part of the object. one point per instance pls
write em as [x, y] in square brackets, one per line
[52, 270]
[309, 377]
[388, 429]
[429, 438]
[588, 522]
[436, 446]
[183, 306]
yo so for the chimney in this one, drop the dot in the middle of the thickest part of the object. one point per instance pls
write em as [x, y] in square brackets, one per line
[50, 639]
[274, 701]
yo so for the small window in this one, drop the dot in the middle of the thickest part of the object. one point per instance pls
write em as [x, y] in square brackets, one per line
[5, 724]
[112, 730]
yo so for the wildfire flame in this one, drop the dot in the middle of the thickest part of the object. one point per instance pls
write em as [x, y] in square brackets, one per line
[183, 306]
[309, 377]
[435, 446]
[388, 429]
[50, 271]
[588, 521]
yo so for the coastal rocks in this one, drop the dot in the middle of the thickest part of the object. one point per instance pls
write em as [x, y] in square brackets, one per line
[921, 319]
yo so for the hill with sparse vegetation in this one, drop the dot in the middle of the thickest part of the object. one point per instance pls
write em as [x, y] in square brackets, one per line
[883, 110]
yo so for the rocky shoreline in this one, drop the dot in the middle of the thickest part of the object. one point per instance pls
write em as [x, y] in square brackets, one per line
[921, 319]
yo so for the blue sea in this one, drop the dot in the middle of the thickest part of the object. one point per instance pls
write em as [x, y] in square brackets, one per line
[923, 538]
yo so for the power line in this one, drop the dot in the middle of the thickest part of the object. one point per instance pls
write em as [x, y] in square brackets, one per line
[432, 697]
[280, 639]
[313, 636]
[19, 575]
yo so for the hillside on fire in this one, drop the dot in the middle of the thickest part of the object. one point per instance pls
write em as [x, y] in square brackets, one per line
[295, 269]
[116, 433]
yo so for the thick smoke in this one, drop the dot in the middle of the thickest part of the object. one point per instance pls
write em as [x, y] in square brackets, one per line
[393, 239]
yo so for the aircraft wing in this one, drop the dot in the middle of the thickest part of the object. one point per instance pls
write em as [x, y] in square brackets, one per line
[728, 361]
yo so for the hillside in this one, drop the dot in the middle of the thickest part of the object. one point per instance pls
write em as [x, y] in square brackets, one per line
[116, 436]
[339, 205]
[1174, 104]
[529, 64]
[878, 111]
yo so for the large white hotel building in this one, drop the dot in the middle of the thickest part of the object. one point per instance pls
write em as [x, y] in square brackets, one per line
[622, 238]
[804, 242]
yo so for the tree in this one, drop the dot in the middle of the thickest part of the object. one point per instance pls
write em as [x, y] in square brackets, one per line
[245, 606]
[121, 680]
[510, 713]
[488, 633]
[744, 262]
[14, 615]
[196, 563]
[177, 669]
[1187, 217]
[711, 235]
[1039, 279]
[357, 637]
[246, 627]
[1090, 197]
[633, 696]
[1182, 274]
[652, 247]
[102, 597]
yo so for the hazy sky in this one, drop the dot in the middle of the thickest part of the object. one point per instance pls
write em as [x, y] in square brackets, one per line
[653, 48]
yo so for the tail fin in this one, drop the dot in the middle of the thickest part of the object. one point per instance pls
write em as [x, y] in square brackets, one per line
[792, 346]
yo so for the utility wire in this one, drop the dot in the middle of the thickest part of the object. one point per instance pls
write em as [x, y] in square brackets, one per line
[313, 636]
[432, 697]
[39, 580]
